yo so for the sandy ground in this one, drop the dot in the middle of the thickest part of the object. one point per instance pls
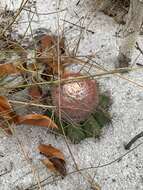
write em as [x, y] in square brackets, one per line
[127, 111]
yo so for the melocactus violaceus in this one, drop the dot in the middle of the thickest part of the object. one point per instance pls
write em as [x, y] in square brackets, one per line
[75, 100]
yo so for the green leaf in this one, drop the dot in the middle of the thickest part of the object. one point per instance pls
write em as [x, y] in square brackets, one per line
[102, 117]
[92, 128]
[75, 133]
[104, 101]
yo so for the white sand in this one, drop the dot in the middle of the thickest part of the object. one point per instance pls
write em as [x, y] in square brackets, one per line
[127, 112]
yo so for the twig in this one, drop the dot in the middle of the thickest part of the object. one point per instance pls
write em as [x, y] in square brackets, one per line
[78, 3]
[7, 170]
[139, 64]
[138, 48]
[54, 12]
[133, 140]
[18, 13]
[1, 154]
[82, 27]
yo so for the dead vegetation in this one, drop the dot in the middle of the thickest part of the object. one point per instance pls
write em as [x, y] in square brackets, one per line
[44, 69]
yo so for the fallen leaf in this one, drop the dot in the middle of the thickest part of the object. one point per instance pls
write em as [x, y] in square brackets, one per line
[47, 53]
[49, 164]
[55, 159]
[8, 68]
[59, 165]
[7, 115]
[46, 42]
[50, 151]
[49, 42]
[36, 120]
[5, 107]
[35, 92]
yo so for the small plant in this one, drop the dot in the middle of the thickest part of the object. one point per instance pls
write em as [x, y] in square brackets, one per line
[83, 109]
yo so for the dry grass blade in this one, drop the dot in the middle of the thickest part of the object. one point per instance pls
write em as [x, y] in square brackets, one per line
[31, 104]
[29, 162]
[55, 82]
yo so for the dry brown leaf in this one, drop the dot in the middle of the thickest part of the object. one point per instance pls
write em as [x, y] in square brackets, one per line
[35, 92]
[59, 165]
[49, 42]
[49, 164]
[7, 115]
[36, 120]
[48, 55]
[8, 68]
[6, 110]
[50, 151]
[55, 161]
[55, 165]
[5, 106]
[46, 42]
